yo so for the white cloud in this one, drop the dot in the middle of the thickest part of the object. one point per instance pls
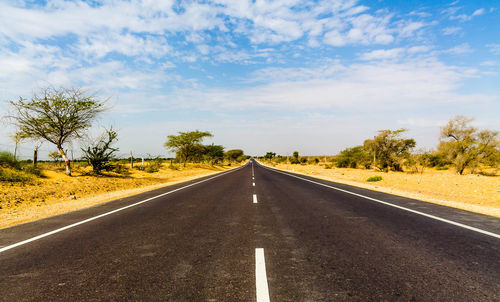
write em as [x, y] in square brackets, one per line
[334, 38]
[394, 53]
[130, 45]
[489, 63]
[422, 83]
[142, 28]
[460, 49]
[382, 54]
[409, 29]
[422, 122]
[452, 13]
[447, 31]
[494, 48]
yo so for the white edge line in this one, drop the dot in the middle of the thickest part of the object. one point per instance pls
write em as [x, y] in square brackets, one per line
[393, 205]
[107, 213]
[254, 198]
[262, 289]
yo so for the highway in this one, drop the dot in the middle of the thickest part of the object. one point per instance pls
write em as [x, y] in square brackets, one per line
[254, 234]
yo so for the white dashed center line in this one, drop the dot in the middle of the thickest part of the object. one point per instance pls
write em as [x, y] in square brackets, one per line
[254, 198]
[260, 276]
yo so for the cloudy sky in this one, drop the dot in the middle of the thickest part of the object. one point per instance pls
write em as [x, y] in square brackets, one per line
[262, 75]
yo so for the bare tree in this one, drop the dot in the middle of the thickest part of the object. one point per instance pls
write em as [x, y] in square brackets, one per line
[17, 138]
[56, 115]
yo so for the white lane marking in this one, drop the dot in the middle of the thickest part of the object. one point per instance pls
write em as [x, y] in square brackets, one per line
[106, 214]
[261, 276]
[396, 206]
[253, 184]
[254, 198]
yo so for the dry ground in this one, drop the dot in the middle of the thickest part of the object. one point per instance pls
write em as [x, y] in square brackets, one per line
[475, 193]
[58, 193]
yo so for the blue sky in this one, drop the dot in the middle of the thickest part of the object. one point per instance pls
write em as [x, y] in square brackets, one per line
[313, 76]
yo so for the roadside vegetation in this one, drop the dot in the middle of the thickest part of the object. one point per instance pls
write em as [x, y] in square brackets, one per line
[62, 117]
[463, 148]
[462, 171]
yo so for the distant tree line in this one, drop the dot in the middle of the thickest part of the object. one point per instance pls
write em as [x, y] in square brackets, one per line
[188, 147]
[461, 146]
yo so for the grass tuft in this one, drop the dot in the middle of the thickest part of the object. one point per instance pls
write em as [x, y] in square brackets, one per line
[374, 178]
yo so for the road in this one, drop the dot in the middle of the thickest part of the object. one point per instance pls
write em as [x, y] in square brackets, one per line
[254, 234]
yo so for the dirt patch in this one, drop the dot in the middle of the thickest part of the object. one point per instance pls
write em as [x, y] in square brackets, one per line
[58, 193]
[475, 193]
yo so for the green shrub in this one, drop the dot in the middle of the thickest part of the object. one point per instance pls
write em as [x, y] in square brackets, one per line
[120, 168]
[7, 160]
[100, 153]
[172, 167]
[13, 176]
[33, 170]
[154, 165]
[355, 157]
[374, 178]
[294, 161]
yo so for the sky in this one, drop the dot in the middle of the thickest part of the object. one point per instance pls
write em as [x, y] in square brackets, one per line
[260, 75]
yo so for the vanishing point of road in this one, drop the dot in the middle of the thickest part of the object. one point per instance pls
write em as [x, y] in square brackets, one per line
[254, 234]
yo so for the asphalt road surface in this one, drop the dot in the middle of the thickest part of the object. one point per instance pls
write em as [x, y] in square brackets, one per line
[254, 234]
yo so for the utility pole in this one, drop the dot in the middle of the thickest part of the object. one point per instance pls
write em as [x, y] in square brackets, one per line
[131, 160]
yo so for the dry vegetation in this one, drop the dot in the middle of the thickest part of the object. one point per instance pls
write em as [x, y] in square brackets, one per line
[56, 193]
[472, 192]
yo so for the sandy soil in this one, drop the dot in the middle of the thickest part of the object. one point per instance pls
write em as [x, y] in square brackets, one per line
[58, 193]
[475, 193]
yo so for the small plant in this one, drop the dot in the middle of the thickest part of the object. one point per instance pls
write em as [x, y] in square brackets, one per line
[374, 178]
[154, 165]
[100, 153]
[172, 167]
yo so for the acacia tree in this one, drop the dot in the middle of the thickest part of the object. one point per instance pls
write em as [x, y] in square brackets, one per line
[234, 155]
[466, 146]
[56, 115]
[353, 158]
[186, 145]
[214, 153]
[270, 155]
[388, 149]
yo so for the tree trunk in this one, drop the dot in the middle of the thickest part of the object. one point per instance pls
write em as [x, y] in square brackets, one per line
[131, 160]
[35, 157]
[66, 161]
